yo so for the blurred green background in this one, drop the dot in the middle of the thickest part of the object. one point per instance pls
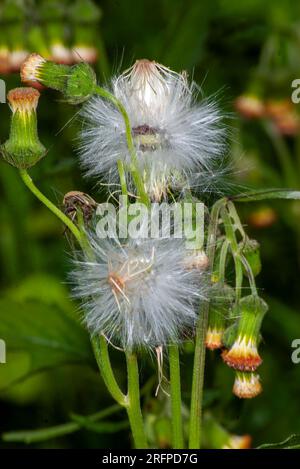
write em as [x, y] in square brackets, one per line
[249, 50]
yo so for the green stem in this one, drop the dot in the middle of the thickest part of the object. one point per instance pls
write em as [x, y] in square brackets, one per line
[195, 430]
[177, 430]
[231, 237]
[100, 347]
[134, 163]
[32, 187]
[198, 380]
[133, 402]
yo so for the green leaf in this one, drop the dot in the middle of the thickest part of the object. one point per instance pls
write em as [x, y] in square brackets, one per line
[292, 442]
[267, 195]
[45, 333]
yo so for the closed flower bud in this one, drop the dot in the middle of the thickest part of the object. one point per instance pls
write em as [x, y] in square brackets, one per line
[77, 83]
[250, 250]
[243, 354]
[80, 84]
[23, 148]
[246, 385]
[221, 301]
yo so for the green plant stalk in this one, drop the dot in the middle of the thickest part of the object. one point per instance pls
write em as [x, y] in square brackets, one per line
[133, 405]
[238, 259]
[175, 385]
[43, 434]
[101, 352]
[195, 428]
[133, 164]
[32, 187]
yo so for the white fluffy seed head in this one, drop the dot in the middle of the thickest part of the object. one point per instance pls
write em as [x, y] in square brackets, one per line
[139, 293]
[173, 133]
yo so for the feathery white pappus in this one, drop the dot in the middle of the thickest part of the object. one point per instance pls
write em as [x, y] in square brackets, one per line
[175, 135]
[138, 293]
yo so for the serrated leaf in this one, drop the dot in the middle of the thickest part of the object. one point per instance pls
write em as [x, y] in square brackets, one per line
[267, 194]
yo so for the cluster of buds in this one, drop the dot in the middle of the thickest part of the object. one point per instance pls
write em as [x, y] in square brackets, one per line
[242, 342]
[48, 35]
[222, 297]
[77, 82]
[281, 112]
[23, 148]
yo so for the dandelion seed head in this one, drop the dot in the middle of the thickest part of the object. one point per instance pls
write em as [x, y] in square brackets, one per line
[138, 293]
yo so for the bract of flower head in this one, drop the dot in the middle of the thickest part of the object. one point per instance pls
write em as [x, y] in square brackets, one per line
[213, 339]
[23, 148]
[246, 385]
[138, 292]
[174, 135]
[243, 355]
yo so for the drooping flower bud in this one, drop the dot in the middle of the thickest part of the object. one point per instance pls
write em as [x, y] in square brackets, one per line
[251, 251]
[243, 354]
[246, 385]
[222, 297]
[23, 148]
[77, 82]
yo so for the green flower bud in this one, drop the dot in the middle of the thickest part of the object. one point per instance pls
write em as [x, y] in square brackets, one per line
[243, 354]
[80, 84]
[222, 297]
[23, 148]
[77, 82]
[251, 251]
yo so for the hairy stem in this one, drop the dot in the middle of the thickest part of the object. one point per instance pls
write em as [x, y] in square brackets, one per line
[131, 148]
[195, 430]
[100, 347]
[175, 384]
[32, 187]
[133, 405]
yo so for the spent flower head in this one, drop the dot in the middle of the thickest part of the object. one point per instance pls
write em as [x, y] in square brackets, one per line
[137, 291]
[174, 135]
